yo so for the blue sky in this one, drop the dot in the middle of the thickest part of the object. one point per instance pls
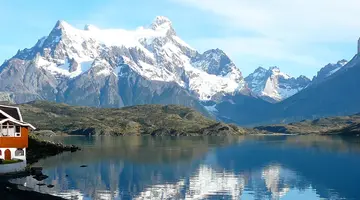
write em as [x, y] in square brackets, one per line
[299, 36]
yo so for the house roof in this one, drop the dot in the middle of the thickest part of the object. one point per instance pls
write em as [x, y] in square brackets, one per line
[14, 112]
[2, 116]
[18, 123]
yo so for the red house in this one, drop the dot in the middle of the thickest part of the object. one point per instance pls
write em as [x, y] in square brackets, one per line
[13, 133]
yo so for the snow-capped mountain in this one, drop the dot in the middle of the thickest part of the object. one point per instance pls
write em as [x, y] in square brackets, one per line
[116, 67]
[329, 70]
[274, 85]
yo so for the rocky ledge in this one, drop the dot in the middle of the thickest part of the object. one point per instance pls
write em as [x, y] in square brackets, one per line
[39, 149]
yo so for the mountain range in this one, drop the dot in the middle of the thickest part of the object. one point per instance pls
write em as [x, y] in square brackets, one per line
[115, 68]
[152, 65]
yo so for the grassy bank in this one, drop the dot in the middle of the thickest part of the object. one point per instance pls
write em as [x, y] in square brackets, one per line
[6, 162]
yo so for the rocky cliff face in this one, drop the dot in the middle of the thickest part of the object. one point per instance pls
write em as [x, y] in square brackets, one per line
[115, 68]
[273, 85]
[329, 70]
[6, 97]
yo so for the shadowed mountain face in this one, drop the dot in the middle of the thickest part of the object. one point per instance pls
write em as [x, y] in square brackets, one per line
[333, 96]
[329, 70]
[205, 167]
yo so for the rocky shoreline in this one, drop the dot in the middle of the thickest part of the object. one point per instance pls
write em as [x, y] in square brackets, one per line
[38, 149]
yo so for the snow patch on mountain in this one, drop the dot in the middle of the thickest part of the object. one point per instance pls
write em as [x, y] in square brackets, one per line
[274, 84]
[207, 85]
[211, 109]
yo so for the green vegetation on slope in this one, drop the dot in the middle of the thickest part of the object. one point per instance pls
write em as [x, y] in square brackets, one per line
[142, 119]
[162, 120]
[345, 125]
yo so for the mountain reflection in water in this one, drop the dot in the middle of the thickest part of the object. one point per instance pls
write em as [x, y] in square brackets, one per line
[247, 167]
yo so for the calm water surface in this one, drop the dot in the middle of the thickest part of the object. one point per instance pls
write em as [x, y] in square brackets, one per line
[262, 167]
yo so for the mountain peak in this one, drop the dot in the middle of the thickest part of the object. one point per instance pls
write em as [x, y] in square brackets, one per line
[159, 20]
[273, 84]
[274, 69]
[61, 24]
[260, 69]
[342, 62]
[60, 29]
[214, 51]
[90, 27]
[303, 77]
[329, 70]
[161, 23]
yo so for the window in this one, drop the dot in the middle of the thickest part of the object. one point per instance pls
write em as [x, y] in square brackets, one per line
[19, 152]
[17, 131]
[10, 130]
[0, 153]
[4, 130]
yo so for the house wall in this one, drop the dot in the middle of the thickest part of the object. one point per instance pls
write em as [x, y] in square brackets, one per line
[16, 142]
[13, 155]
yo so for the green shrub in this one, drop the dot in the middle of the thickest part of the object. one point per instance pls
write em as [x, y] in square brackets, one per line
[4, 162]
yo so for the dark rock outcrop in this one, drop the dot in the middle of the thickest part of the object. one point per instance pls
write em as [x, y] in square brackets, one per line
[39, 149]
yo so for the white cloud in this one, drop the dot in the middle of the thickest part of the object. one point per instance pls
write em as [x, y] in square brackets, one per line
[304, 20]
[249, 46]
[251, 52]
[283, 30]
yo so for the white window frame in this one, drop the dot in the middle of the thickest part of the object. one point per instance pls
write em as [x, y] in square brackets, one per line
[7, 130]
[16, 134]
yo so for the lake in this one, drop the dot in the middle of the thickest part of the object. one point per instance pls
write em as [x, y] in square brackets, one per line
[244, 167]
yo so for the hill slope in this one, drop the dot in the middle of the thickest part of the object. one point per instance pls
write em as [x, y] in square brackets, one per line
[143, 119]
[344, 125]
[337, 95]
